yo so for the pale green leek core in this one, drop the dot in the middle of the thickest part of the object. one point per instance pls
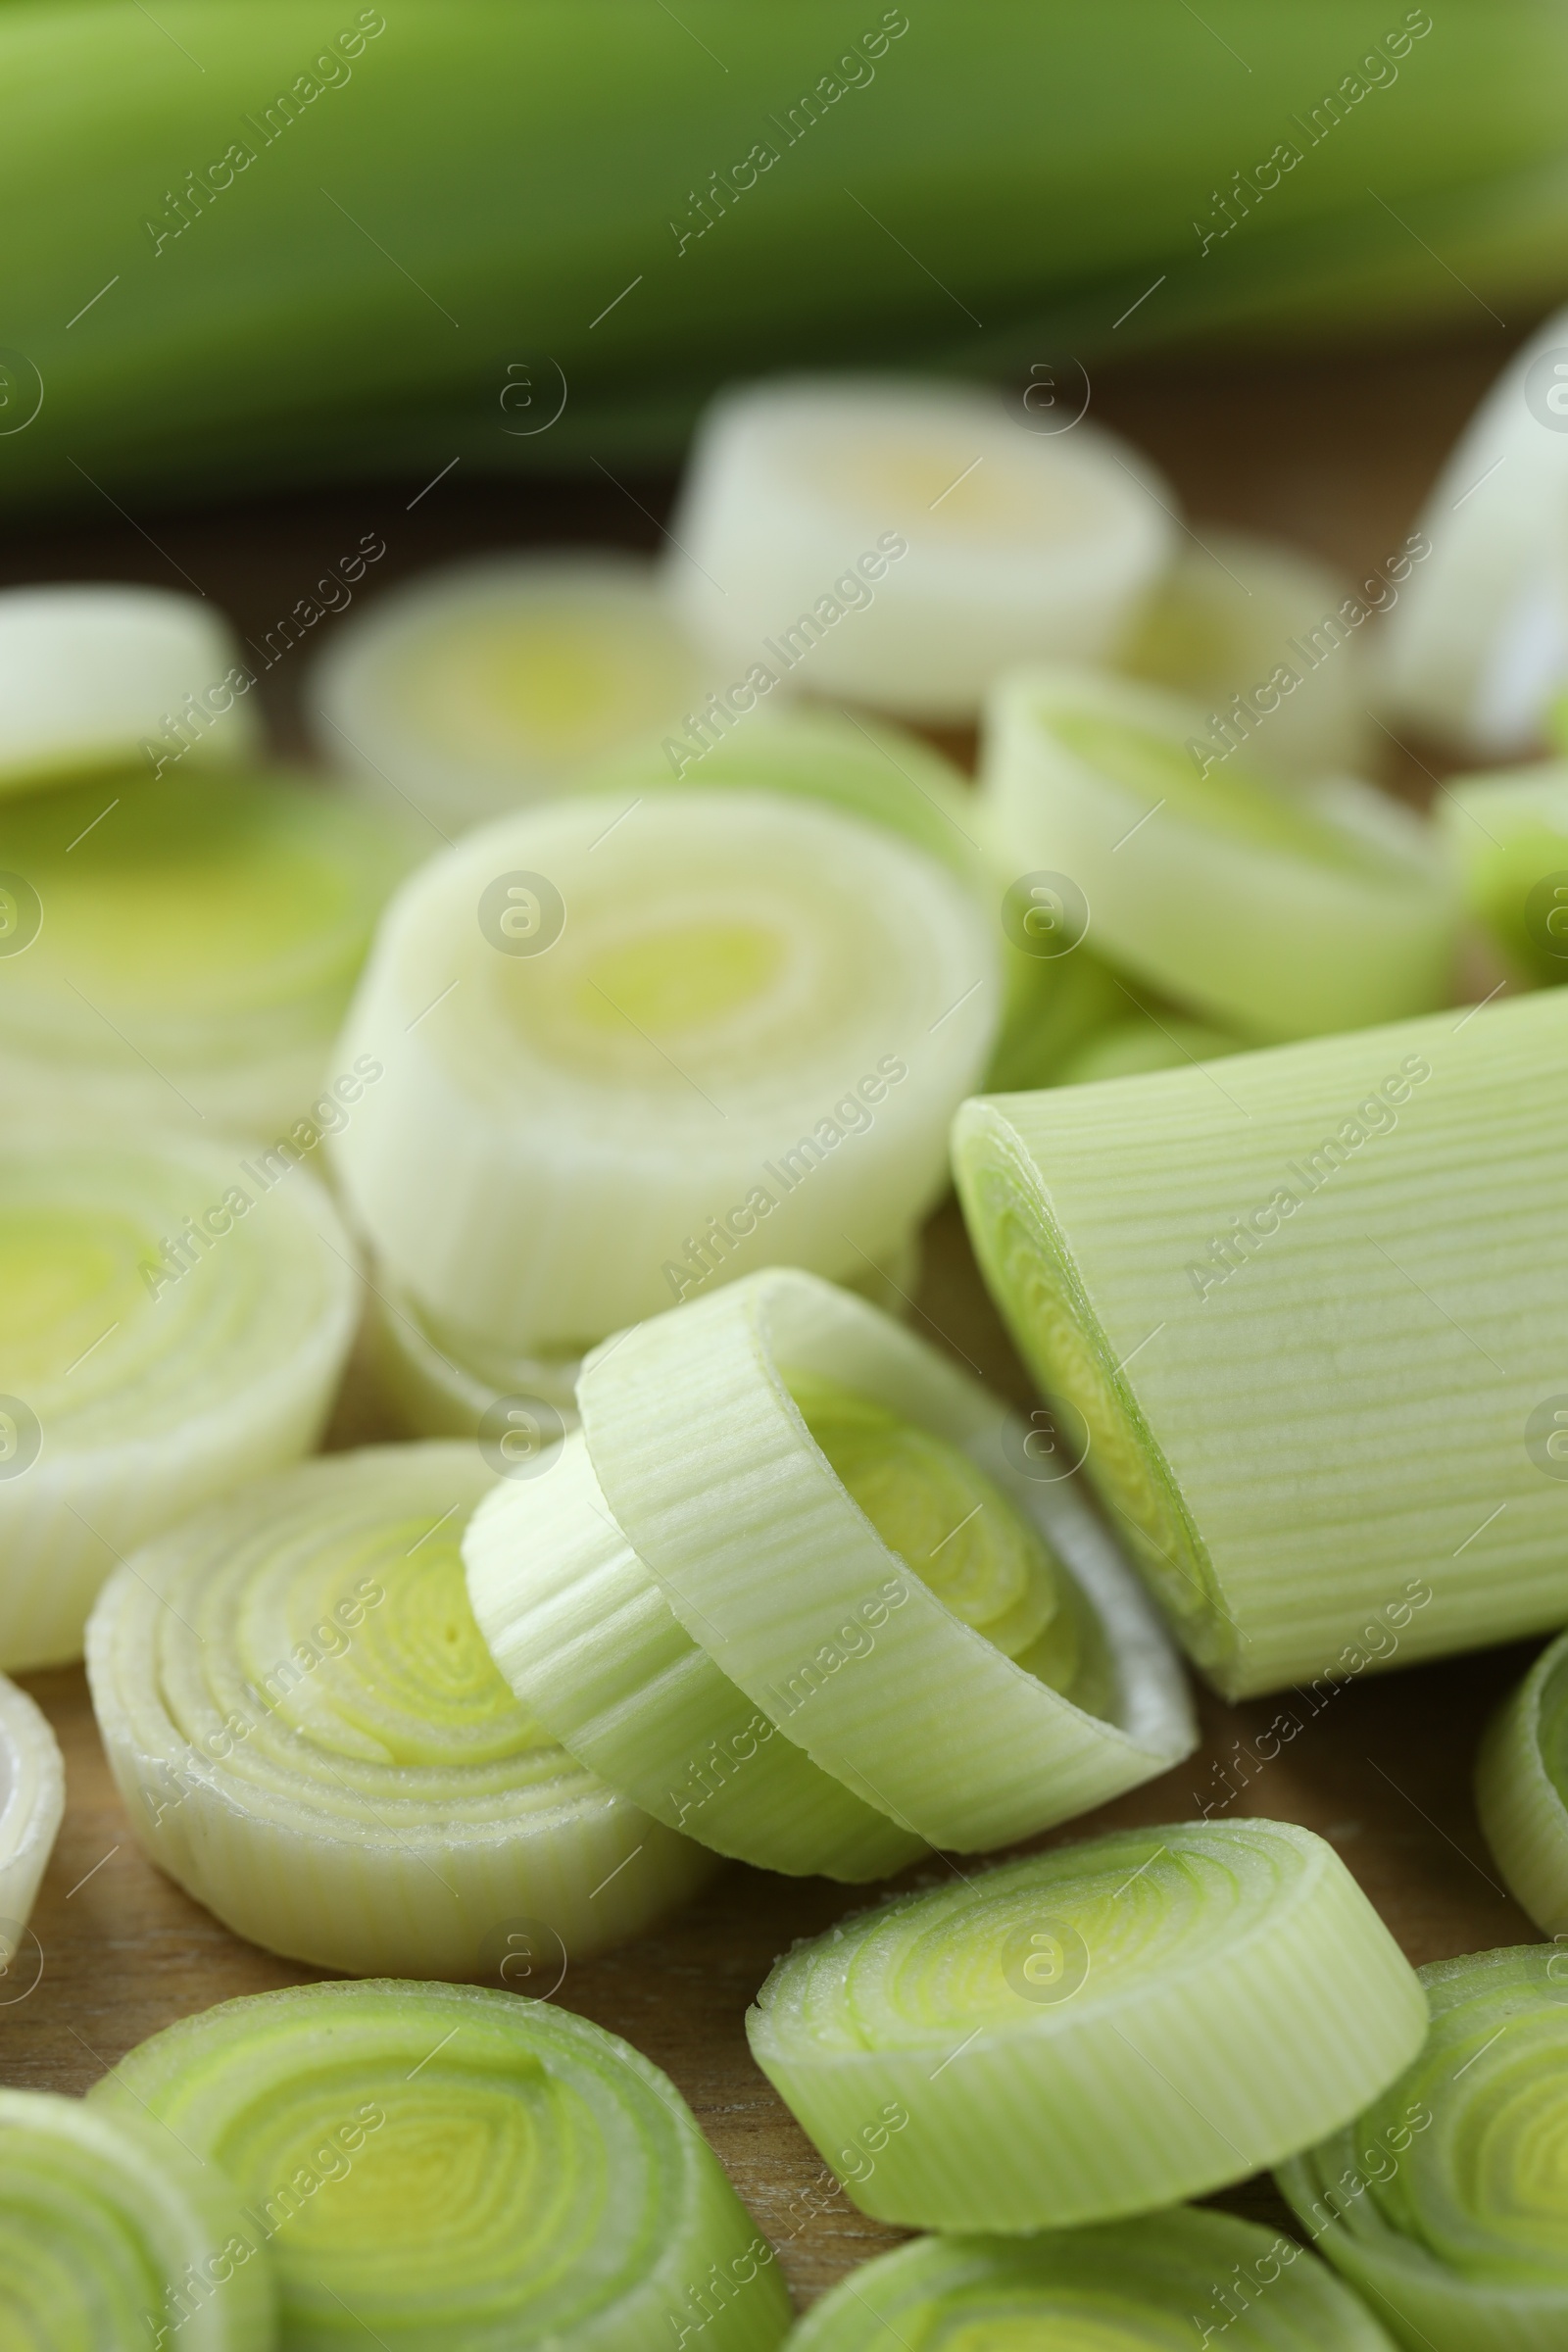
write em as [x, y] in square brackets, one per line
[1093, 2032]
[432, 2165]
[1146, 2285]
[1255, 1261]
[1522, 1781]
[114, 2238]
[313, 1739]
[1446, 2201]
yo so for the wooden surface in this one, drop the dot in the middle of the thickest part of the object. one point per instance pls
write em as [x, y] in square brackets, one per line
[1333, 452]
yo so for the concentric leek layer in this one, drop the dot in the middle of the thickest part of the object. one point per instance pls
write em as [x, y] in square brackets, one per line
[902, 1599]
[1148, 2285]
[634, 1046]
[200, 935]
[1093, 2032]
[173, 1324]
[114, 2237]
[33, 1798]
[312, 1737]
[1447, 2199]
[433, 2166]
[1522, 1789]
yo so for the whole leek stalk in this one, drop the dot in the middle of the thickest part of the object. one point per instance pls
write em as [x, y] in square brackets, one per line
[316, 239]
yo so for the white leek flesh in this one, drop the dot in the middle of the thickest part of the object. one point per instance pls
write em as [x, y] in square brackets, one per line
[1238, 614]
[114, 2237]
[1508, 836]
[1251, 909]
[1444, 2201]
[1478, 649]
[1094, 2031]
[870, 1615]
[634, 1047]
[183, 949]
[1146, 2285]
[473, 689]
[99, 680]
[1342, 1260]
[310, 1736]
[900, 543]
[175, 1324]
[1522, 1772]
[438, 2165]
[33, 1802]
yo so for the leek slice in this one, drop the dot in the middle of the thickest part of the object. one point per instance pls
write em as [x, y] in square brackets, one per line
[1307, 1302]
[195, 943]
[439, 1381]
[858, 1611]
[1522, 1773]
[310, 1736]
[472, 689]
[1251, 908]
[33, 1802]
[173, 1325]
[703, 1031]
[1146, 1041]
[1093, 2032]
[437, 2165]
[95, 679]
[1149, 2285]
[1053, 1006]
[1239, 615]
[900, 542]
[114, 2238]
[1478, 649]
[1444, 2201]
[1508, 835]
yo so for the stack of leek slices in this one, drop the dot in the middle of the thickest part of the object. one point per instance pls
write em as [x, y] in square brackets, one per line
[844, 1618]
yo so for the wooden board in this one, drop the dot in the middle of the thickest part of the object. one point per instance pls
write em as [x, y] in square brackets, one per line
[1337, 454]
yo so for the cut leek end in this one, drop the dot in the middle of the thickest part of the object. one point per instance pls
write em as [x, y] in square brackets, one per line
[1522, 1790]
[32, 1802]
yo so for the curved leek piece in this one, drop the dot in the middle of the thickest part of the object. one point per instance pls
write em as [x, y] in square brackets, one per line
[1094, 2031]
[1522, 1773]
[310, 1736]
[173, 1325]
[1478, 648]
[472, 689]
[1341, 1259]
[1052, 1006]
[441, 1383]
[1444, 2201]
[882, 1560]
[1239, 615]
[1253, 910]
[900, 543]
[1146, 1041]
[1508, 836]
[32, 1800]
[633, 1047]
[1170, 2278]
[95, 679]
[183, 949]
[436, 2165]
[114, 2238]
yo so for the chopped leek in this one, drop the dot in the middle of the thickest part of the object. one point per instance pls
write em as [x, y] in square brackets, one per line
[310, 1736]
[1522, 1774]
[901, 542]
[1253, 910]
[1444, 2200]
[114, 2238]
[635, 1046]
[1307, 1301]
[176, 1321]
[1093, 2032]
[1508, 835]
[99, 680]
[1239, 615]
[195, 941]
[1168, 2280]
[437, 1382]
[470, 689]
[1142, 1042]
[32, 1800]
[885, 1566]
[436, 2165]
[1052, 1004]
